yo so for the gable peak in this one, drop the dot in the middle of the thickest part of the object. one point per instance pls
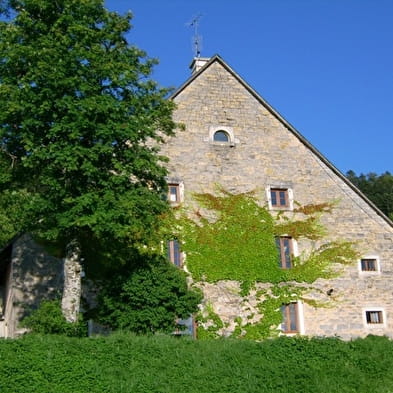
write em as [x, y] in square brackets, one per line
[197, 63]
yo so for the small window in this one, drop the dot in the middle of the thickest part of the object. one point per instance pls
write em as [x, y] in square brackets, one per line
[221, 136]
[290, 318]
[374, 317]
[369, 265]
[173, 193]
[173, 252]
[285, 251]
[279, 197]
[189, 327]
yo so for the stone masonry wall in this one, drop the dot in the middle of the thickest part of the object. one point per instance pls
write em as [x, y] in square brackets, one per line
[267, 154]
[34, 276]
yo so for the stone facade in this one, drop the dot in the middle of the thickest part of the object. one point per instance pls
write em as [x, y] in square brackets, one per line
[29, 275]
[265, 151]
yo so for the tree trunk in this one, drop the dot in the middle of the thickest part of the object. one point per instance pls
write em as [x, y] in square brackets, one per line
[70, 303]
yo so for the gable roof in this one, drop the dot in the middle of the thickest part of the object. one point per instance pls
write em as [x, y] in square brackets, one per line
[217, 59]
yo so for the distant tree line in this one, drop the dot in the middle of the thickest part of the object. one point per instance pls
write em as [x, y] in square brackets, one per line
[378, 188]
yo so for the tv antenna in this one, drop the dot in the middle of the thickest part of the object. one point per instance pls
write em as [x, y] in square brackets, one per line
[196, 39]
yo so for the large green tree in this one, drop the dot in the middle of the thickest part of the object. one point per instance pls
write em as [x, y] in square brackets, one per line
[378, 188]
[80, 118]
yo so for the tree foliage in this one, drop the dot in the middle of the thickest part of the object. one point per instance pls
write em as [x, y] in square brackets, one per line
[4, 7]
[146, 300]
[80, 126]
[48, 319]
[378, 188]
[79, 112]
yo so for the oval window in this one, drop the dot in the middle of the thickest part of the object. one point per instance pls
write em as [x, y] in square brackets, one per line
[221, 136]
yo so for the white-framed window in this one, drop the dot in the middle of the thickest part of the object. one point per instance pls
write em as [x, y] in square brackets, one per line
[174, 253]
[287, 249]
[222, 136]
[175, 192]
[369, 264]
[292, 318]
[374, 317]
[190, 325]
[279, 197]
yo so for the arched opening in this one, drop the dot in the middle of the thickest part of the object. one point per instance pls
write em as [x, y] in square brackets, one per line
[221, 136]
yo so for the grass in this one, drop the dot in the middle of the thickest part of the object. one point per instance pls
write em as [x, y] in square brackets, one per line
[123, 363]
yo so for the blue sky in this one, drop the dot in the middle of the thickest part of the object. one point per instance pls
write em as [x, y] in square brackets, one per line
[325, 65]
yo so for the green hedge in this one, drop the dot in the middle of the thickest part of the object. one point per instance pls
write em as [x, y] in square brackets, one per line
[123, 363]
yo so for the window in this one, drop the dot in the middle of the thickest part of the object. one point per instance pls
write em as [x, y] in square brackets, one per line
[189, 325]
[174, 253]
[221, 136]
[374, 317]
[369, 264]
[279, 197]
[290, 318]
[173, 193]
[285, 251]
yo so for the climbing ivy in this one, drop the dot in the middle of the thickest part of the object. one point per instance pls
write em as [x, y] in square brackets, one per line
[229, 240]
[211, 320]
[232, 237]
[270, 310]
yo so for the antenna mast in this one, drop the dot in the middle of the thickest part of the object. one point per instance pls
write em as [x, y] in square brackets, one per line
[196, 39]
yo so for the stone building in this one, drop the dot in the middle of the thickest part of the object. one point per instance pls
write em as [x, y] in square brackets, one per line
[233, 137]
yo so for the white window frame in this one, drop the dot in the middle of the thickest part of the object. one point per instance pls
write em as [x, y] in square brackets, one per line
[180, 186]
[374, 325]
[232, 141]
[369, 272]
[171, 253]
[294, 246]
[282, 187]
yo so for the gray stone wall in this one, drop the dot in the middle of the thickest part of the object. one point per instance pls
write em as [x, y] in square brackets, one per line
[34, 276]
[266, 153]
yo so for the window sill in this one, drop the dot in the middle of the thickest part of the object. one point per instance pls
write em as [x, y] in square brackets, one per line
[281, 208]
[369, 273]
[222, 144]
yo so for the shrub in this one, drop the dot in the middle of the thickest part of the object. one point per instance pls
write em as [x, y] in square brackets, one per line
[148, 299]
[48, 319]
[125, 363]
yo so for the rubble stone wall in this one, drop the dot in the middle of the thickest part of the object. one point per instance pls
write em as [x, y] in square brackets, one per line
[34, 276]
[267, 154]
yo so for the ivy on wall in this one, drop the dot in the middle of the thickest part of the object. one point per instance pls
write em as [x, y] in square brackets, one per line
[211, 321]
[232, 237]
